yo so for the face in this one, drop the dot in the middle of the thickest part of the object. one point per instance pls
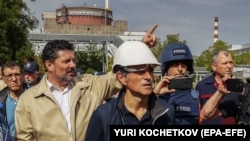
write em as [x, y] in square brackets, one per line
[138, 79]
[62, 70]
[13, 78]
[223, 65]
[31, 77]
[177, 69]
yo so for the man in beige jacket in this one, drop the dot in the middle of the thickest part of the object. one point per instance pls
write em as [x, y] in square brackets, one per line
[60, 106]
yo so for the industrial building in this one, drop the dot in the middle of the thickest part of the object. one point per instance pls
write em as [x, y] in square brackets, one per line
[84, 26]
[87, 25]
[82, 20]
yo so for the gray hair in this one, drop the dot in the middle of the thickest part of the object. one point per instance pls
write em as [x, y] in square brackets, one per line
[216, 54]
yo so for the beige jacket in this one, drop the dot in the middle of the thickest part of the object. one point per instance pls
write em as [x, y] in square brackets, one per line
[39, 118]
[2, 84]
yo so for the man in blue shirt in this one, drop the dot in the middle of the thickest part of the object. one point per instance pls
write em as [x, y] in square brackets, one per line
[219, 106]
[13, 78]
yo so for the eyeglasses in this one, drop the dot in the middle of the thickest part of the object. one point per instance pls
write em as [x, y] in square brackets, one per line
[10, 76]
[150, 68]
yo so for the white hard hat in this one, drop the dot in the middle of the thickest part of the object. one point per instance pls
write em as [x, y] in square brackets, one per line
[134, 53]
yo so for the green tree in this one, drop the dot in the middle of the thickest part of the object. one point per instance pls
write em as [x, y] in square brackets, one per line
[90, 60]
[219, 45]
[243, 58]
[205, 59]
[110, 63]
[157, 50]
[16, 21]
[171, 38]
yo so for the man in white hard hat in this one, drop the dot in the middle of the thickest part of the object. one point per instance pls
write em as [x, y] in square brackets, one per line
[136, 103]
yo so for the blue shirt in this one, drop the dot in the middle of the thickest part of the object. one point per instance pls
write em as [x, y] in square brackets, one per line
[10, 111]
[228, 105]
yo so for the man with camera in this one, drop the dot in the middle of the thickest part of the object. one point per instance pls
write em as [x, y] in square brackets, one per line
[219, 101]
[176, 86]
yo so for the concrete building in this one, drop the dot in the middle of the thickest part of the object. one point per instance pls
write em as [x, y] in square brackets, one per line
[88, 25]
[84, 26]
[82, 20]
[239, 48]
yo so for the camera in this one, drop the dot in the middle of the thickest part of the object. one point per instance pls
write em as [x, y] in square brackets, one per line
[181, 83]
[235, 85]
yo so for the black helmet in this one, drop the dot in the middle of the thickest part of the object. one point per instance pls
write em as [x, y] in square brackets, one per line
[176, 52]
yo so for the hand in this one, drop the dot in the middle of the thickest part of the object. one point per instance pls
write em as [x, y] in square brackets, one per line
[162, 86]
[222, 88]
[150, 39]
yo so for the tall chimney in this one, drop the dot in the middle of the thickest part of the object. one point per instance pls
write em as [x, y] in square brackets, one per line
[216, 28]
[106, 4]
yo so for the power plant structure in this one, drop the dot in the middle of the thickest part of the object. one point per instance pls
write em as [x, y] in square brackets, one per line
[237, 48]
[216, 29]
[84, 26]
[83, 20]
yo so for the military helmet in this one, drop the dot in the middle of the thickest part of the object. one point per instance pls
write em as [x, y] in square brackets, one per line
[176, 52]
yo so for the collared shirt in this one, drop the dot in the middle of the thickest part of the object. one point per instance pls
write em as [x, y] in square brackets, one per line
[10, 111]
[63, 98]
[130, 119]
[207, 87]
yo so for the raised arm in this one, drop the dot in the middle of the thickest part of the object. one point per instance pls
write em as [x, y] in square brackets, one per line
[211, 108]
[150, 38]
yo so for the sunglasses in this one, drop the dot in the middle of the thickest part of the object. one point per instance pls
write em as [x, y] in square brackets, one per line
[149, 68]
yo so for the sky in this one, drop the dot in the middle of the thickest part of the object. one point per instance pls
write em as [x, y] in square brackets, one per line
[193, 20]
